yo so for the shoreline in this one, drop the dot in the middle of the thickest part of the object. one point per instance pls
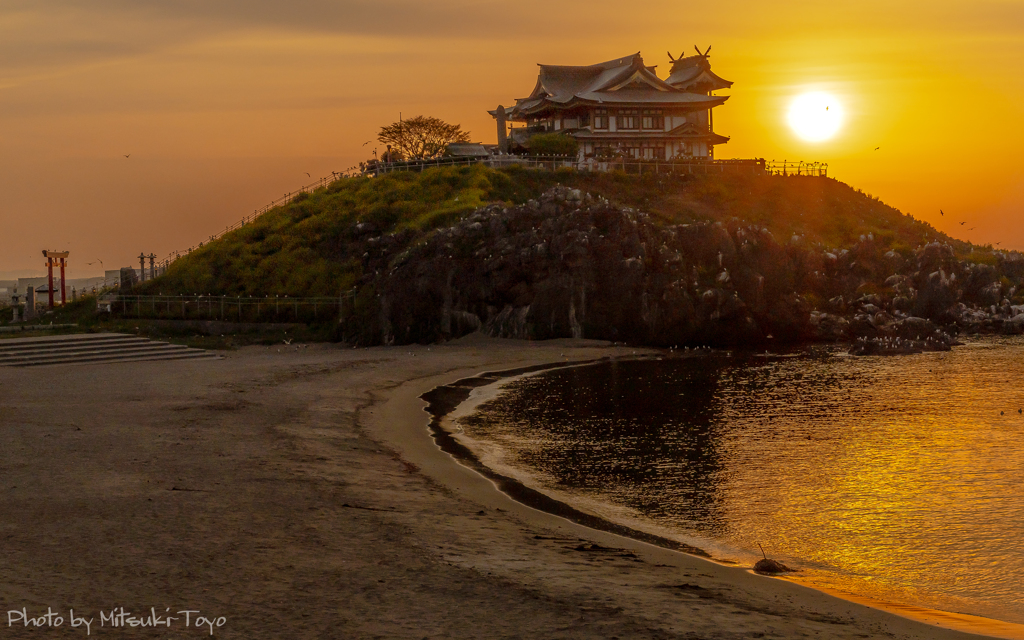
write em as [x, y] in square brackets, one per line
[296, 489]
[444, 400]
[445, 410]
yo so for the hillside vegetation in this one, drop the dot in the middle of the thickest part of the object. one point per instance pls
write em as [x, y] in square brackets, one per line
[308, 247]
[654, 259]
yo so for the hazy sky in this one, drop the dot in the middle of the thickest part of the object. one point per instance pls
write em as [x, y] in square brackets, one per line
[224, 106]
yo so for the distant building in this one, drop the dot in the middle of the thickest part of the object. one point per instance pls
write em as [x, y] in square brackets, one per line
[41, 284]
[112, 277]
[621, 108]
[468, 150]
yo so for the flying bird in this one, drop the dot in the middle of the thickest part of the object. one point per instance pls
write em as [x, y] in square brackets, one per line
[941, 213]
[307, 173]
[367, 142]
[877, 148]
[962, 223]
[998, 243]
[972, 228]
[128, 155]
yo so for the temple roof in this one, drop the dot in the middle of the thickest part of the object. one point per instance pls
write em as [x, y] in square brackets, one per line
[624, 80]
[694, 72]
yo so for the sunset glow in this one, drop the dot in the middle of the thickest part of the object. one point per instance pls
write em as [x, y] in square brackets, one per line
[224, 109]
[815, 116]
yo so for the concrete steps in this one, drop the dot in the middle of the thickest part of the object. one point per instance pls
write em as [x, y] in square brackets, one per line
[91, 348]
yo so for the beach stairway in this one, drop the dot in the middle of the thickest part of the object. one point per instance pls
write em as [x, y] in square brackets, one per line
[91, 348]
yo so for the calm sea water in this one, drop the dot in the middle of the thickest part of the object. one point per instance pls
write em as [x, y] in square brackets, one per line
[900, 478]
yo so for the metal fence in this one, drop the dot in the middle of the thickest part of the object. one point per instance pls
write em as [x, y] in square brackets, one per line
[162, 265]
[639, 166]
[230, 308]
[796, 168]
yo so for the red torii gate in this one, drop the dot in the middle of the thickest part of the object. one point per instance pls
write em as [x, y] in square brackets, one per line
[51, 261]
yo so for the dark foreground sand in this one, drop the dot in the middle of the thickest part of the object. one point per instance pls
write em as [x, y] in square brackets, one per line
[293, 492]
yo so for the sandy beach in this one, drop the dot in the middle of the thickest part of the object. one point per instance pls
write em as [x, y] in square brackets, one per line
[295, 491]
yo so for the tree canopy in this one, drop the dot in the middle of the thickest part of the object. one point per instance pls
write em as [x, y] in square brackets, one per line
[422, 137]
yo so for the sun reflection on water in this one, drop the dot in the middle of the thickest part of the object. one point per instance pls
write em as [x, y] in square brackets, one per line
[896, 479]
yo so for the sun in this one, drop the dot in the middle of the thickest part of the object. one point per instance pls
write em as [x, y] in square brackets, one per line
[815, 116]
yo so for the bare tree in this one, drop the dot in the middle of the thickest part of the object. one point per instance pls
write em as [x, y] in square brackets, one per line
[422, 137]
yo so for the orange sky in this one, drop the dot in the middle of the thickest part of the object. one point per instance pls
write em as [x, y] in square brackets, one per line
[225, 107]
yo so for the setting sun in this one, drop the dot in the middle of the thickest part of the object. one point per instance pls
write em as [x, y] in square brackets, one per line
[815, 116]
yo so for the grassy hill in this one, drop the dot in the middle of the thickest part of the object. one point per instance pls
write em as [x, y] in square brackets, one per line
[306, 247]
[652, 259]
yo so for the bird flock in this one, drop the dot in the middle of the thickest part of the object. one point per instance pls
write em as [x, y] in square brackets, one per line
[962, 223]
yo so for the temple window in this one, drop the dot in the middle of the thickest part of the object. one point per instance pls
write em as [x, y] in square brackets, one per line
[631, 149]
[600, 118]
[629, 119]
[653, 119]
[653, 150]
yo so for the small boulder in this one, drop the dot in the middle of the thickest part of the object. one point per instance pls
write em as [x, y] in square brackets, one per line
[767, 566]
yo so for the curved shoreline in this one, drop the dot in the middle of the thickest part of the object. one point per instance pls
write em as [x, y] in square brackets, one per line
[448, 398]
[444, 399]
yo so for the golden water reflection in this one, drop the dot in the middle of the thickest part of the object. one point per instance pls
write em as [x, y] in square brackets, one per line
[894, 478]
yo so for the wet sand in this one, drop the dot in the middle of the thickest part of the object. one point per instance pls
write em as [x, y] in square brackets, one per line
[296, 492]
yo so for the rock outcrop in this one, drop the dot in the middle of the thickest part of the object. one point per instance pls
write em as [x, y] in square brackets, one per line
[571, 265]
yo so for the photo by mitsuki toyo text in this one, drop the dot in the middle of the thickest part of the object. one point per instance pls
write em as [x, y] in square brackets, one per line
[116, 618]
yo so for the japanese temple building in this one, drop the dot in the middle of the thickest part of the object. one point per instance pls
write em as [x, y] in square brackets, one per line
[621, 108]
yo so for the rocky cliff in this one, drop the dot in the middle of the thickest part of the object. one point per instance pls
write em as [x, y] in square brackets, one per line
[569, 264]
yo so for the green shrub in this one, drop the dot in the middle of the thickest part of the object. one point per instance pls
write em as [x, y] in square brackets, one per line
[552, 144]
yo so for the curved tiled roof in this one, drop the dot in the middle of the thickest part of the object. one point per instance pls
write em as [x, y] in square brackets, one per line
[692, 71]
[623, 80]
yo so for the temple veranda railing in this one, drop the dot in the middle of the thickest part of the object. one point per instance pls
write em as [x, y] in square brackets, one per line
[637, 166]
